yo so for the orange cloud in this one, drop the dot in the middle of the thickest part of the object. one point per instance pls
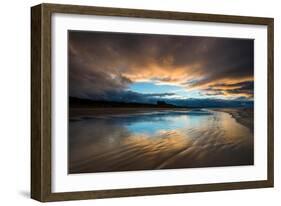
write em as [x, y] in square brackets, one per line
[167, 74]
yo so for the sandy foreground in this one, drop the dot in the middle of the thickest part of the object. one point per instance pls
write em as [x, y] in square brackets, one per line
[244, 116]
[104, 147]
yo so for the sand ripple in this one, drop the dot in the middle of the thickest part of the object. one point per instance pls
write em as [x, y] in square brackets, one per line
[106, 144]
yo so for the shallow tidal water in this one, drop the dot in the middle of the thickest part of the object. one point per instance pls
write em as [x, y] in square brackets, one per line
[158, 140]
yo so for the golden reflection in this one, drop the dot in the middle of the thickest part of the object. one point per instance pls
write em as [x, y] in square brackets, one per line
[167, 140]
[189, 141]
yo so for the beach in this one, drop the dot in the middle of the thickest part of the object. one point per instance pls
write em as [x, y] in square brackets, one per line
[75, 113]
[244, 116]
[126, 139]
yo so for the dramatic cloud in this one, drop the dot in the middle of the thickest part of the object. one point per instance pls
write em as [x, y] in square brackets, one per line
[102, 65]
[241, 89]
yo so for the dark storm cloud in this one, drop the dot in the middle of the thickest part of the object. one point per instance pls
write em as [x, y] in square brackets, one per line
[245, 89]
[129, 96]
[102, 64]
[230, 59]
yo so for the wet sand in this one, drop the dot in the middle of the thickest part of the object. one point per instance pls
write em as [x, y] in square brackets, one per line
[126, 139]
[78, 113]
[244, 116]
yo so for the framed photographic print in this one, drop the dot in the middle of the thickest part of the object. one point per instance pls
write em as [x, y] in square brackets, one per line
[132, 102]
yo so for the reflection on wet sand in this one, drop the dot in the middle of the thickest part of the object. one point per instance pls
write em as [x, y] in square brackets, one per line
[158, 140]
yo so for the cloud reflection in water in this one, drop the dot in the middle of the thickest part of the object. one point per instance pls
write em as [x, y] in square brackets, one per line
[164, 140]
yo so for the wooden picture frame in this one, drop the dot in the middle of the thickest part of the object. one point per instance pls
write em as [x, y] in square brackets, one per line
[41, 115]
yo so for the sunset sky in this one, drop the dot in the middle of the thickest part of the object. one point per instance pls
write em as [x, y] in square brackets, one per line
[145, 67]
